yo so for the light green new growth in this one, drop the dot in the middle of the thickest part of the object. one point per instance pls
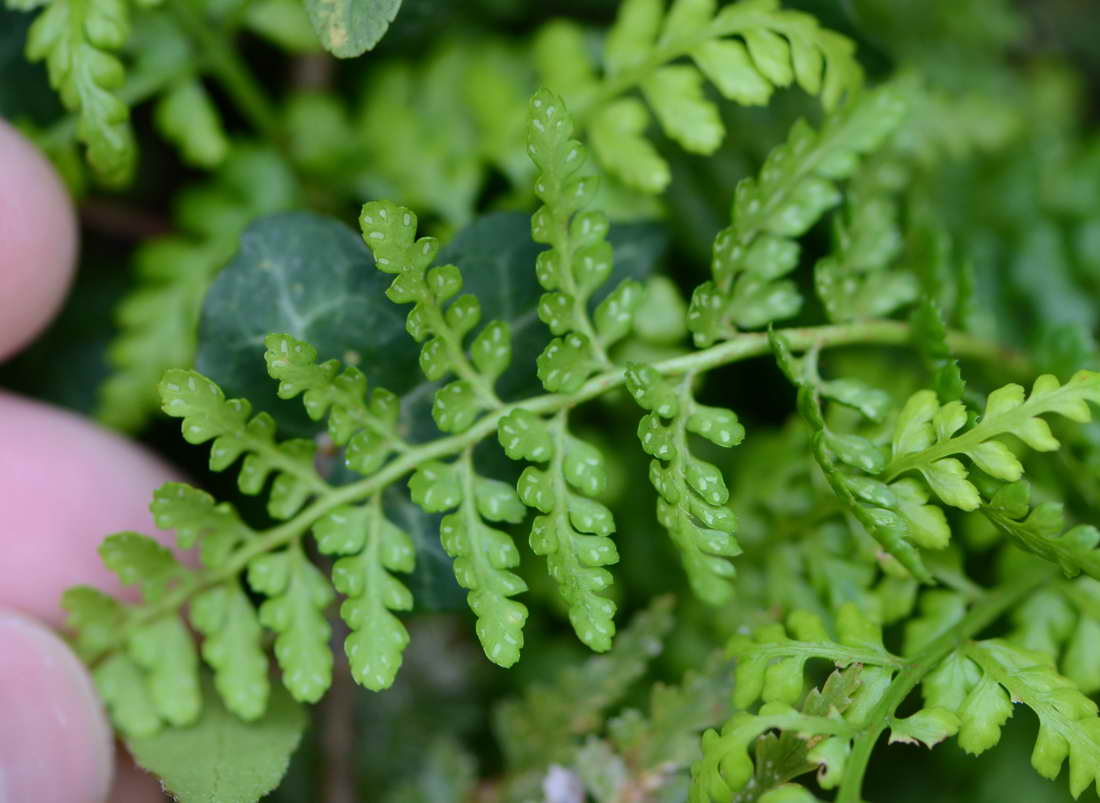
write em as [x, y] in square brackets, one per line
[745, 49]
[895, 509]
[967, 687]
[1040, 530]
[927, 433]
[693, 493]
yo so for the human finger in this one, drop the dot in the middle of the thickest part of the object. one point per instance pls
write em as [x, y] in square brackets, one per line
[38, 241]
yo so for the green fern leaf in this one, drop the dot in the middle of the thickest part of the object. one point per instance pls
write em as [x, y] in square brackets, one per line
[574, 530]
[120, 683]
[78, 40]
[390, 232]
[367, 429]
[374, 548]
[693, 493]
[746, 49]
[297, 594]
[208, 415]
[187, 116]
[197, 518]
[796, 185]
[854, 281]
[927, 433]
[1040, 530]
[232, 646]
[482, 555]
[579, 259]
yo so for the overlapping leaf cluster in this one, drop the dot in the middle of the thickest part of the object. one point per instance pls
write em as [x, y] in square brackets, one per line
[966, 693]
[845, 515]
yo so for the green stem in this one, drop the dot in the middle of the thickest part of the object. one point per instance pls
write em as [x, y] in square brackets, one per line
[230, 70]
[741, 347]
[987, 610]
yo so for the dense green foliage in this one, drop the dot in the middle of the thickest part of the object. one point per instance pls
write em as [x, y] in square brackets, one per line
[797, 399]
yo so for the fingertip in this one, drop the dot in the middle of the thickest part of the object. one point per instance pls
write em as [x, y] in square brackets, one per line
[55, 743]
[38, 235]
[70, 483]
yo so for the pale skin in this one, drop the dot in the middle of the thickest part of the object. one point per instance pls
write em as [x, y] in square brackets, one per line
[64, 484]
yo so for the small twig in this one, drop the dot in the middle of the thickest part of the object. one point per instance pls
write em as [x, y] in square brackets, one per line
[338, 734]
[121, 220]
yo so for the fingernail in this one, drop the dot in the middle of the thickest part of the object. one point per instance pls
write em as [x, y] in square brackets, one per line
[55, 745]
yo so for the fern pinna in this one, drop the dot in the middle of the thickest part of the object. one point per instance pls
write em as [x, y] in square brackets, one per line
[891, 483]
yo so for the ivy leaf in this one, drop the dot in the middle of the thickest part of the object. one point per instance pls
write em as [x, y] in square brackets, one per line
[349, 28]
[312, 278]
[221, 758]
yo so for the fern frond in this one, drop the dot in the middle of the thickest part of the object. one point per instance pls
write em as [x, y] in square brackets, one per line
[927, 433]
[693, 493]
[1062, 621]
[233, 646]
[579, 259]
[771, 663]
[855, 280]
[390, 232]
[78, 41]
[573, 532]
[208, 415]
[373, 548]
[727, 772]
[297, 594]
[796, 186]
[895, 515]
[1040, 530]
[981, 682]
[198, 520]
[157, 677]
[745, 49]
[930, 335]
[367, 429]
[187, 116]
[968, 689]
[483, 555]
